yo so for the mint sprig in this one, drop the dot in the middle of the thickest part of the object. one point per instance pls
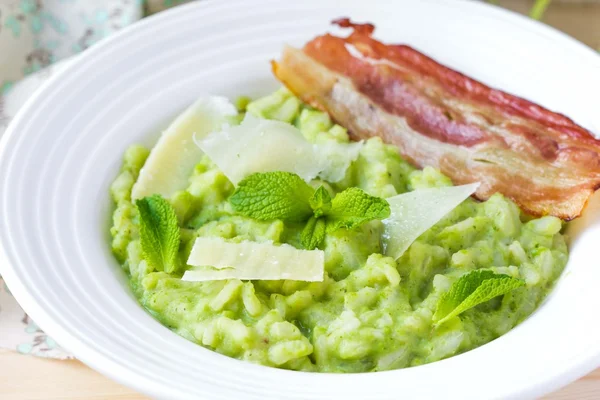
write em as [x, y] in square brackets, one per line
[159, 233]
[285, 196]
[273, 195]
[472, 289]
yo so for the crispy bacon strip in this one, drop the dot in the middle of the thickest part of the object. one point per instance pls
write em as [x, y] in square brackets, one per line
[439, 117]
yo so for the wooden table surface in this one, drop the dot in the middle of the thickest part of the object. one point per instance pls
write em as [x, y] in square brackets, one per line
[29, 378]
[24, 377]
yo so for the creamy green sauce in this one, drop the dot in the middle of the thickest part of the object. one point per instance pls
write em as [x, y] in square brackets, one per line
[357, 319]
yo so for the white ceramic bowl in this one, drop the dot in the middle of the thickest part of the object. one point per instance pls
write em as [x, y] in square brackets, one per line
[62, 151]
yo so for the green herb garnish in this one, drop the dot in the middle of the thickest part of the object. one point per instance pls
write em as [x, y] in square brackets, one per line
[273, 195]
[159, 233]
[285, 196]
[313, 233]
[472, 289]
[320, 202]
[353, 207]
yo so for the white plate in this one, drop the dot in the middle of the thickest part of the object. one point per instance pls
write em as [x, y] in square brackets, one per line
[63, 150]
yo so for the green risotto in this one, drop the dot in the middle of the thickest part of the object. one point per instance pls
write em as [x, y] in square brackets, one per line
[371, 312]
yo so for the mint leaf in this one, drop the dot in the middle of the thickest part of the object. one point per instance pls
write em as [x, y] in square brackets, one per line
[313, 234]
[159, 233]
[273, 195]
[320, 202]
[353, 207]
[471, 289]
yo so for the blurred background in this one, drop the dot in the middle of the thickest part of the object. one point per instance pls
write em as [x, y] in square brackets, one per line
[578, 18]
[37, 33]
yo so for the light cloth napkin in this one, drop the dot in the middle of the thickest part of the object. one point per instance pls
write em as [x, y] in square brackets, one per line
[34, 36]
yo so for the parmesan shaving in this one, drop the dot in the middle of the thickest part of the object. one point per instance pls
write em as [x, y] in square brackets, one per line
[260, 145]
[415, 212]
[174, 156]
[218, 259]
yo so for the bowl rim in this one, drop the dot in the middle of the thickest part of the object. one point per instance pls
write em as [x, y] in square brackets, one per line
[113, 369]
